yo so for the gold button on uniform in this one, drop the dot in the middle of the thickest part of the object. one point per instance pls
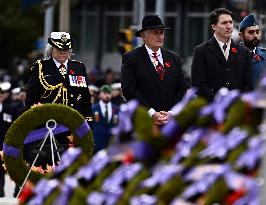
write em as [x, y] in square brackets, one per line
[71, 105]
[71, 95]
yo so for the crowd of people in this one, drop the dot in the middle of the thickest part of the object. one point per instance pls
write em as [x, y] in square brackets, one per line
[151, 74]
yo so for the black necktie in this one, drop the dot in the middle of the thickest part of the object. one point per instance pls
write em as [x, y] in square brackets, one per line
[106, 113]
[251, 53]
[224, 46]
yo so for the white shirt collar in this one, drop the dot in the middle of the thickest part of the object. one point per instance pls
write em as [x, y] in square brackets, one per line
[228, 44]
[103, 108]
[221, 43]
[159, 54]
[58, 64]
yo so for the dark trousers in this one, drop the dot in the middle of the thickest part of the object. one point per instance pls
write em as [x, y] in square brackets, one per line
[2, 180]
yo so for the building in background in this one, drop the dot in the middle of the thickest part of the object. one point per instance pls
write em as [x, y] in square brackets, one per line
[96, 23]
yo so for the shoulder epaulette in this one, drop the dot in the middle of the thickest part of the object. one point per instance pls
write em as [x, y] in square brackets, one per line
[35, 65]
[76, 61]
[264, 49]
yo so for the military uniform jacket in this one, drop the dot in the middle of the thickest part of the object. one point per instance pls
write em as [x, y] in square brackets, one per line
[47, 85]
[210, 70]
[6, 119]
[259, 64]
[140, 80]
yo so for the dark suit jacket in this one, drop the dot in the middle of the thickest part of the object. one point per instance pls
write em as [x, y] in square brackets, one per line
[101, 129]
[6, 120]
[211, 71]
[78, 97]
[140, 80]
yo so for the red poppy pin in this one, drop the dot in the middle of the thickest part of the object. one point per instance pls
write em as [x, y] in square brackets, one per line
[71, 72]
[167, 64]
[234, 50]
[256, 57]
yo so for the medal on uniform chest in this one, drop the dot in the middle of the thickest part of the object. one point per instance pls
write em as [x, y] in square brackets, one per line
[96, 116]
[115, 119]
[77, 81]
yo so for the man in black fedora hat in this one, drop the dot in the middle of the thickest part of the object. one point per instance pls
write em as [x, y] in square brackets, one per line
[152, 74]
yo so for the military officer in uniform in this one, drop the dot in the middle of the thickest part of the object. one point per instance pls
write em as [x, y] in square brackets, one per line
[59, 79]
[250, 34]
[6, 119]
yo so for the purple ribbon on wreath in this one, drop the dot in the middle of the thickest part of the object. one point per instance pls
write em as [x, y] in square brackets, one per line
[161, 174]
[10, 150]
[125, 115]
[223, 99]
[143, 199]
[255, 152]
[217, 146]
[68, 157]
[42, 190]
[97, 163]
[203, 184]
[188, 141]
[66, 190]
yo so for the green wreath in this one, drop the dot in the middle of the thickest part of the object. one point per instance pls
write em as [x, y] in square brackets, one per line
[29, 121]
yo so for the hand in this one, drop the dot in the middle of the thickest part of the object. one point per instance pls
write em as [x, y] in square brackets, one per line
[160, 118]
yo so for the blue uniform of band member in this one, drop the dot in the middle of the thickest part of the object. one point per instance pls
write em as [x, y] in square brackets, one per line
[250, 34]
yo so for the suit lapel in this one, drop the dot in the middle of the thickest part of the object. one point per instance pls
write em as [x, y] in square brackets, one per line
[147, 61]
[215, 48]
[232, 52]
[167, 59]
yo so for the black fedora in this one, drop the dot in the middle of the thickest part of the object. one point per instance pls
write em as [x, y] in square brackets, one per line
[151, 22]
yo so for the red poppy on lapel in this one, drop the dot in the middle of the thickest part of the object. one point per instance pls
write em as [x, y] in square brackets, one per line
[257, 57]
[167, 64]
[71, 72]
[234, 50]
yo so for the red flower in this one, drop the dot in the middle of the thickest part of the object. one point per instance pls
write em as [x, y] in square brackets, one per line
[26, 192]
[128, 157]
[234, 50]
[71, 72]
[167, 64]
[256, 57]
[234, 196]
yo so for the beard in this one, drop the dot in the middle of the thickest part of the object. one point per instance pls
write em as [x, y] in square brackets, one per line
[251, 44]
[106, 100]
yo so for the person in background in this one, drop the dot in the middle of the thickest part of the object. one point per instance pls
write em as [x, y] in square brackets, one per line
[94, 92]
[152, 74]
[219, 62]
[105, 115]
[6, 119]
[250, 35]
[117, 96]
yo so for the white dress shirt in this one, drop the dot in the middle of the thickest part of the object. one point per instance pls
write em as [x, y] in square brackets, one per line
[151, 111]
[58, 64]
[109, 109]
[159, 55]
[228, 44]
